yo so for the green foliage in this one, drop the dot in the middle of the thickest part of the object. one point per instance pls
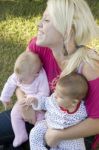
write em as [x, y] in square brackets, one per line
[94, 5]
[18, 23]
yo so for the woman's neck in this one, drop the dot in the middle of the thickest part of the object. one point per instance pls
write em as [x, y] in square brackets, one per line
[59, 55]
[60, 52]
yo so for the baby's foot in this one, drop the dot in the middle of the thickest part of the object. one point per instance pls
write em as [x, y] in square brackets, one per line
[19, 140]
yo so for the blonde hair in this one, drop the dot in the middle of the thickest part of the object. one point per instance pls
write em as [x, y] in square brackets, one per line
[68, 15]
[73, 85]
[26, 62]
[82, 55]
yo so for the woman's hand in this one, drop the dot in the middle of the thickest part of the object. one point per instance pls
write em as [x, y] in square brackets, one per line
[30, 100]
[27, 112]
[52, 137]
[86, 128]
[20, 94]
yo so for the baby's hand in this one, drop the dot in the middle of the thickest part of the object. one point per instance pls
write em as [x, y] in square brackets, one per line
[7, 105]
[27, 112]
[30, 100]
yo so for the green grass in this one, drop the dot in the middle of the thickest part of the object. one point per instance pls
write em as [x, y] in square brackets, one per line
[18, 23]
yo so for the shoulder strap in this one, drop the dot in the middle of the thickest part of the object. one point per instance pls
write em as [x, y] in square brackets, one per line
[79, 69]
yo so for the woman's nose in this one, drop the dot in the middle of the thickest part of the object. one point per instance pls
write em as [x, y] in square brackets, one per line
[40, 24]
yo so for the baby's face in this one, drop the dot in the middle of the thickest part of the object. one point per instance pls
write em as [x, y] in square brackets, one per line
[28, 78]
[62, 100]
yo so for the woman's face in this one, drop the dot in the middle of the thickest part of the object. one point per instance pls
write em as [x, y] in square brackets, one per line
[47, 34]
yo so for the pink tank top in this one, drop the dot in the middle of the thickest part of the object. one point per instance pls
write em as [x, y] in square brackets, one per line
[92, 102]
[92, 99]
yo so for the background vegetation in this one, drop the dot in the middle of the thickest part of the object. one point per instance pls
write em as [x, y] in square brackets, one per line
[18, 23]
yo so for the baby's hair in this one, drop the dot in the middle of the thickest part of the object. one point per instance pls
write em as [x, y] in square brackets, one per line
[26, 62]
[74, 86]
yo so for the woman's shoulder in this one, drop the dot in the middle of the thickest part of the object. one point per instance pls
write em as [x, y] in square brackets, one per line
[91, 73]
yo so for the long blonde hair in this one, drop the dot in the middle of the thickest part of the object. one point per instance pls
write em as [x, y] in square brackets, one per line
[76, 15]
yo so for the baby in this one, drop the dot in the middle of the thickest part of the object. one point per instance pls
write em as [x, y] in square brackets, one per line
[31, 78]
[64, 108]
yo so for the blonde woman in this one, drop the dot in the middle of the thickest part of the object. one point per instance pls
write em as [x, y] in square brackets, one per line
[66, 27]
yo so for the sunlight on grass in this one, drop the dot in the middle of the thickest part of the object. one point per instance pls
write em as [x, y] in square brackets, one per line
[94, 45]
[17, 29]
[97, 21]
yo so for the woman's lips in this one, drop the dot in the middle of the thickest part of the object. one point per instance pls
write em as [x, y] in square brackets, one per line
[40, 32]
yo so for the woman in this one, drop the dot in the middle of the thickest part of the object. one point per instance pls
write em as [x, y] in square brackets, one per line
[66, 27]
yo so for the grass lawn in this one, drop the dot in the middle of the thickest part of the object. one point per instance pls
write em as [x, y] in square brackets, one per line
[18, 23]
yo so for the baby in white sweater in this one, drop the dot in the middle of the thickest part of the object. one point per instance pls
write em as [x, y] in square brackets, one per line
[31, 78]
[64, 108]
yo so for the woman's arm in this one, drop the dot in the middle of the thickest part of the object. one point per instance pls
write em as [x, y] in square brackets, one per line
[20, 94]
[86, 128]
[27, 112]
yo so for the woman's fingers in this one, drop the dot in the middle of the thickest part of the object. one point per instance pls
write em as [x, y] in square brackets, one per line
[52, 137]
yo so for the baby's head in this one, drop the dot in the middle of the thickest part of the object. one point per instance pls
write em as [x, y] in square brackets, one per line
[70, 90]
[27, 67]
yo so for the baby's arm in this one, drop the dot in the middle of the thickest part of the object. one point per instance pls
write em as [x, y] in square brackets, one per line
[38, 103]
[43, 90]
[8, 90]
[42, 93]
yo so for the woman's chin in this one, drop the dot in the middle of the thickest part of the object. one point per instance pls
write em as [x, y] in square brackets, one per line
[40, 43]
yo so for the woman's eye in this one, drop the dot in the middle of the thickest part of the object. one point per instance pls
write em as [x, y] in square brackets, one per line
[46, 20]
